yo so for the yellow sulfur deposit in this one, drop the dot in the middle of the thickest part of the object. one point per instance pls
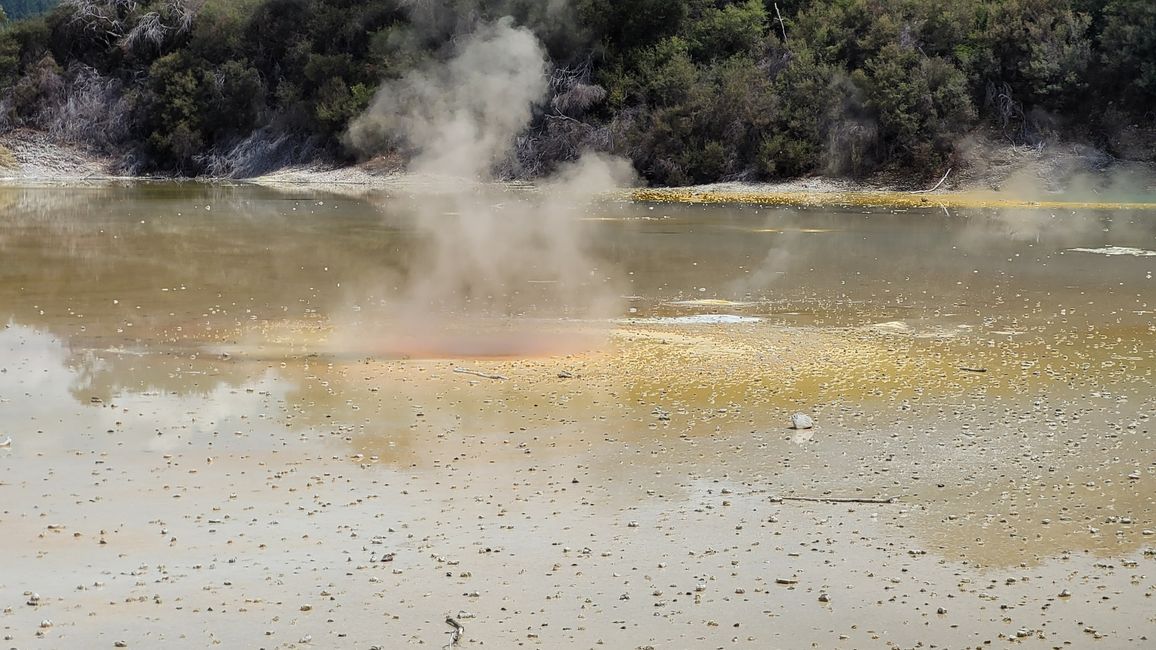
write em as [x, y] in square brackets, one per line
[872, 199]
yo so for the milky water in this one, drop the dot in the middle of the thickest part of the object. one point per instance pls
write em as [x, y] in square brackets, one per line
[96, 259]
[194, 358]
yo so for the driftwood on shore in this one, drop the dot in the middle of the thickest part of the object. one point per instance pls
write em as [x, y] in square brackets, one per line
[455, 633]
[945, 175]
[885, 500]
[476, 373]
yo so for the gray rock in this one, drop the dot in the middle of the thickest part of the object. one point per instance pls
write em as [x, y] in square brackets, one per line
[801, 421]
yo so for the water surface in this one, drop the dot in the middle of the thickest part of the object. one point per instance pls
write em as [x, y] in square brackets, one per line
[239, 367]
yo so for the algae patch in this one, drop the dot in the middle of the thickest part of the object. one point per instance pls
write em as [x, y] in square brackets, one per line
[869, 199]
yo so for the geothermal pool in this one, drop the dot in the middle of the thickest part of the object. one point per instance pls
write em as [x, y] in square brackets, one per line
[283, 417]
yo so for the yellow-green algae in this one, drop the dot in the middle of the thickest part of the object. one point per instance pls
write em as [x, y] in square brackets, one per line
[872, 199]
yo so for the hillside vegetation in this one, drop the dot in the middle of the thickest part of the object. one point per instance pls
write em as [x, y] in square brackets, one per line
[690, 90]
[18, 9]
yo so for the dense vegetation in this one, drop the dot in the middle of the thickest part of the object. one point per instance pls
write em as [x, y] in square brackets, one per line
[18, 9]
[691, 90]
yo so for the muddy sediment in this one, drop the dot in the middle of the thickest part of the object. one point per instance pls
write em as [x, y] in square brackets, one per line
[629, 495]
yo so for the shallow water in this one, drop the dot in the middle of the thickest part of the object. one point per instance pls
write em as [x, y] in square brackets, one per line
[249, 370]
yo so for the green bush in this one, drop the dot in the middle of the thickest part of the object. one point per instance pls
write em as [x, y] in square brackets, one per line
[723, 32]
[632, 24]
[805, 89]
[922, 104]
[666, 74]
[1129, 50]
[1040, 48]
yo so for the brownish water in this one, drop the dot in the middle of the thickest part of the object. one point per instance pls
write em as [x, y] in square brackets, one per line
[222, 417]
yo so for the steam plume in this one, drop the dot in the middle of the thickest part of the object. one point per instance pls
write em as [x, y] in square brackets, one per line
[485, 264]
[460, 116]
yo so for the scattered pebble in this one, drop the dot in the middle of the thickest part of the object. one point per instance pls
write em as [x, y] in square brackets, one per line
[801, 421]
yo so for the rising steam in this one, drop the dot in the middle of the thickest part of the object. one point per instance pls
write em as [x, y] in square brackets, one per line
[496, 270]
[459, 117]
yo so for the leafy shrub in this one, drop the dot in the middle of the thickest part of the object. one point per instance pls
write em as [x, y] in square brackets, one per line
[922, 104]
[1128, 45]
[723, 32]
[806, 92]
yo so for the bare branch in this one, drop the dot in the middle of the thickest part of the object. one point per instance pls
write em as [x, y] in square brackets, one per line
[782, 25]
[580, 98]
[936, 185]
[149, 29]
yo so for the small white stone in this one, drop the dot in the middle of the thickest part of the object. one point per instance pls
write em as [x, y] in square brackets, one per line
[801, 421]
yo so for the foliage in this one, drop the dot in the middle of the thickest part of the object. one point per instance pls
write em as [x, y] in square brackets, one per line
[922, 104]
[1128, 51]
[794, 146]
[710, 128]
[1040, 48]
[21, 9]
[720, 32]
[691, 90]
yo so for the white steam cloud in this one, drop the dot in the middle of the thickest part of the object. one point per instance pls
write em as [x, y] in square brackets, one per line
[460, 116]
[496, 271]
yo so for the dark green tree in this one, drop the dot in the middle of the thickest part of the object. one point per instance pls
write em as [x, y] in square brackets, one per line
[1128, 50]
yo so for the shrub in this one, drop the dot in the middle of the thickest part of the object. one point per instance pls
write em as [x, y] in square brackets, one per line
[723, 32]
[1040, 48]
[922, 104]
[795, 142]
[1129, 50]
[666, 73]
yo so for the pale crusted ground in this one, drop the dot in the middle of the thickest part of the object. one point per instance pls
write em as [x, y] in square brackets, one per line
[37, 158]
[625, 497]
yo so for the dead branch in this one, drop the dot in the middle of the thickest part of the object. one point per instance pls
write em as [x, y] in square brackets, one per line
[90, 110]
[483, 375]
[782, 25]
[562, 79]
[107, 16]
[835, 500]
[578, 99]
[936, 185]
[149, 29]
[185, 13]
[567, 118]
[455, 633]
